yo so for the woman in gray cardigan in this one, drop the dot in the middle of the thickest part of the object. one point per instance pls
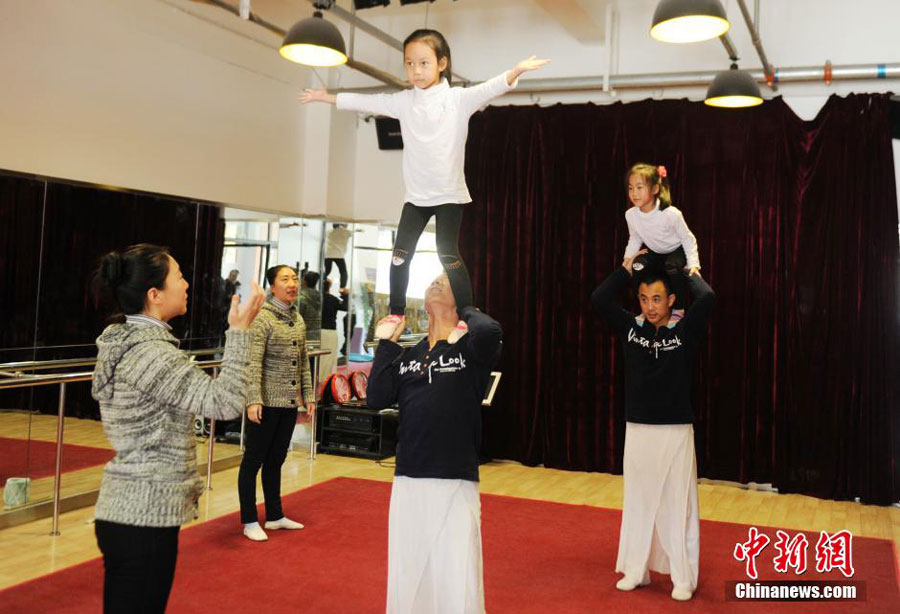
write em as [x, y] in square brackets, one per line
[280, 381]
[149, 392]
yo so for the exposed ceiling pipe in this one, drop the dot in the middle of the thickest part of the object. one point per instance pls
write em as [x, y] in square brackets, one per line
[754, 34]
[375, 73]
[690, 79]
[376, 32]
[729, 47]
[352, 41]
[253, 17]
[611, 30]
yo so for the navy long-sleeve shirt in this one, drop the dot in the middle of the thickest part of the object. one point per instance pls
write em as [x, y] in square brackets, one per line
[330, 306]
[659, 364]
[439, 392]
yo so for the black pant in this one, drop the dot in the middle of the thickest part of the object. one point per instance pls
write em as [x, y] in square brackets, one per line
[671, 265]
[139, 565]
[342, 269]
[266, 446]
[412, 222]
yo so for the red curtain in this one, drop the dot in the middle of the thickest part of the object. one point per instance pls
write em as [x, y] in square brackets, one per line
[797, 227]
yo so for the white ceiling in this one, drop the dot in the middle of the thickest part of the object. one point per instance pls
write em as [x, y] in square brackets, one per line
[488, 36]
[574, 23]
[582, 19]
[566, 10]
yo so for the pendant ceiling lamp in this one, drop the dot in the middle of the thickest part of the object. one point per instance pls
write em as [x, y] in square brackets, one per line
[688, 21]
[314, 41]
[733, 89]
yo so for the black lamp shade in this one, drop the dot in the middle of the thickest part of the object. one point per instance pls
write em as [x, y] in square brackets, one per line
[688, 21]
[733, 88]
[314, 42]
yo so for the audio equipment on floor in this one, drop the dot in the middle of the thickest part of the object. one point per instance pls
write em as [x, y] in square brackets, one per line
[357, 431]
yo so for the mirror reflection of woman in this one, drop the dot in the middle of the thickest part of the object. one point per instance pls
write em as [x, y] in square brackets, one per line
[280, 382]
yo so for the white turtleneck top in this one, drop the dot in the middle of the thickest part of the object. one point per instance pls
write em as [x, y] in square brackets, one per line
[435, 124]
[662, 230]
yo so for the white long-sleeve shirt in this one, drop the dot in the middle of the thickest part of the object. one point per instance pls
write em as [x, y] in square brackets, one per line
[435, 124]
[661, 230]
[336, 242]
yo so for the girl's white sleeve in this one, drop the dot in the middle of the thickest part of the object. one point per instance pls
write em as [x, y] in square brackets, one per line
[634, 240]
[376, 104]
[688, 240]
[472, 99]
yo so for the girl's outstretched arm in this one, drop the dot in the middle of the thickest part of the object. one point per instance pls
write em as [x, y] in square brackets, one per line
[476, 97]
[317, 95]
[532, 63]
[388, 105]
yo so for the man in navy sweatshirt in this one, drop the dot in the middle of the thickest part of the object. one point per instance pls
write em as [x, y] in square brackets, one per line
[434, 539]
[660, 517]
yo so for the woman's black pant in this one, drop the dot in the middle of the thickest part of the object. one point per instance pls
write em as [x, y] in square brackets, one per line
[139, 566]
[412, 222]
[266, 446]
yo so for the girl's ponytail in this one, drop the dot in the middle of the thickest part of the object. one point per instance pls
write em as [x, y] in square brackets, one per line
[126, 276]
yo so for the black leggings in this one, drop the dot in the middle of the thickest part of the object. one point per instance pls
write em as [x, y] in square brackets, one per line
[342, 268]
[267, 447]
[412, 222]
[672, 265]
[139, 566]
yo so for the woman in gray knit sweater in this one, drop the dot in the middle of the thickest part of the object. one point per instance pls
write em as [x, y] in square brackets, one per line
[280, 381]
[149, 392]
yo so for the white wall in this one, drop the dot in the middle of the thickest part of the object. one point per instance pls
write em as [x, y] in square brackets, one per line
[342, 167]
[378, 177]
[145, 94]
[315, 163]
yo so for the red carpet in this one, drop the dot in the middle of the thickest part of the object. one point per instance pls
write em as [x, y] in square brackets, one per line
[20, 458]
[539, 558]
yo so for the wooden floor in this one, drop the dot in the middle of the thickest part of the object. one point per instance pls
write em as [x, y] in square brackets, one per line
[29, 551]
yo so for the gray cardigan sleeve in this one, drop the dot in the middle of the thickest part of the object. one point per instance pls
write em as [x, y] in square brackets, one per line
[259, 335]
[306, 389]
[167, 375]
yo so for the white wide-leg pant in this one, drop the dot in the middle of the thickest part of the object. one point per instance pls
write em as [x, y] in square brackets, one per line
[434, 547]
[660, 516]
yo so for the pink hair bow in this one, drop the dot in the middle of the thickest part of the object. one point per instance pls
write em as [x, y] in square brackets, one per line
[661, 171]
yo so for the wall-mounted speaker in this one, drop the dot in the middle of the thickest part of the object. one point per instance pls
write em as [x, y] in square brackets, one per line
[389, 135]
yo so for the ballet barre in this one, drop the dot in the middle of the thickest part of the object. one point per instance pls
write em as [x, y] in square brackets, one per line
[13, 377]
